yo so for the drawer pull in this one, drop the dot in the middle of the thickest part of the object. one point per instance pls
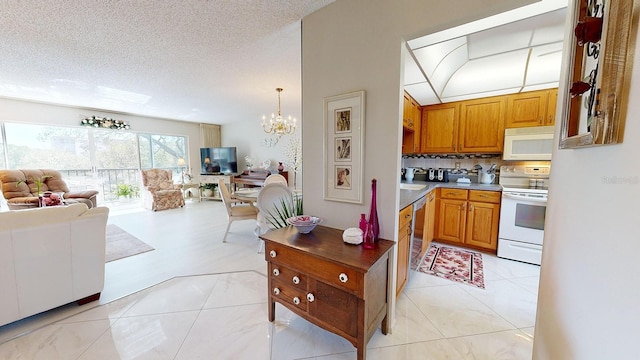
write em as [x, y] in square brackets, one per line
[296, 300]
[343, 277]
[276, 291]
[272, 253]
[276, 272]
[310, 297]
[296, 280]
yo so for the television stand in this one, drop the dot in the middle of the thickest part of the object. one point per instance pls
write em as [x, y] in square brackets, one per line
[213, 179]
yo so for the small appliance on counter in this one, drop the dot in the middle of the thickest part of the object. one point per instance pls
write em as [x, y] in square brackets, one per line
[438, 175]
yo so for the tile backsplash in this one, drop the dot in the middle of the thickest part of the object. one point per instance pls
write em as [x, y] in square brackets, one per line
[466, 162]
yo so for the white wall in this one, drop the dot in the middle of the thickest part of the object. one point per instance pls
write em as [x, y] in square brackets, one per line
[589, 297]
[46, 114]
[354, 45]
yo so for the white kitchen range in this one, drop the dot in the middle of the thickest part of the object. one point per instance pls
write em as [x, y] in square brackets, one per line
[522, 214]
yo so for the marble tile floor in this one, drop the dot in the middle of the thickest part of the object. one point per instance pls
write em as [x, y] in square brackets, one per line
[196, 298]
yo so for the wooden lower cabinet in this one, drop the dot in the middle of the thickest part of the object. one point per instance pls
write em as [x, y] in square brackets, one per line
[471, 222]
[339, 287]
[451, 223]
[404, 248]
[429, 221]
[482, 225]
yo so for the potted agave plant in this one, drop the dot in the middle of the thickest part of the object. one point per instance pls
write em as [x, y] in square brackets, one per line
[281, 212]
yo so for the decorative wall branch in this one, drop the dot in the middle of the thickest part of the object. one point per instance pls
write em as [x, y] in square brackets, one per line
[105, 123]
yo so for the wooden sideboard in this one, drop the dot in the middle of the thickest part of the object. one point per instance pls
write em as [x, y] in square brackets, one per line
[340, 287]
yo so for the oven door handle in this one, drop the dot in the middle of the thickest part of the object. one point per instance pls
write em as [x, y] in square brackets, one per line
[524, 198]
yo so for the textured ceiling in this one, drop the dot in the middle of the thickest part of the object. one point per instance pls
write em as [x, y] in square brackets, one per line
[195, 60]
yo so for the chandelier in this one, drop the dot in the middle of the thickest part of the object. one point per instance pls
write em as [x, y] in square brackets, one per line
[278, 125]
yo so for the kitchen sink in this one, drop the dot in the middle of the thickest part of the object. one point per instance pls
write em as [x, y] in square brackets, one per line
[405, 186]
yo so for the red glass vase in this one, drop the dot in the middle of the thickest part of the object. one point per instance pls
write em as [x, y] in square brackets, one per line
[373, 213]
[369, 241]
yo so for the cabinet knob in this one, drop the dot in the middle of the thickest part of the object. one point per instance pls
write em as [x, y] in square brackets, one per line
[296, 280]
[276, 291]
[470, 207]
[296, 300]
[343, 277]
[272, 253]
[276, 272]
[310, 297]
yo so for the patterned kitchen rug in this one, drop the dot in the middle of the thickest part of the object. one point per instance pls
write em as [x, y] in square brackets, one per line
[459, 265]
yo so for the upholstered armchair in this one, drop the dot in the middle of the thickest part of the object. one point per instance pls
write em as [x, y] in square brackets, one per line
[21, 188]
[159, 192]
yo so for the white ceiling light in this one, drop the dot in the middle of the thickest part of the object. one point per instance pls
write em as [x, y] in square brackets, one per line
[511, 52]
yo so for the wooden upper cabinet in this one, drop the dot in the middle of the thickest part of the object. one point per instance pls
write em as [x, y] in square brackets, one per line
[481, 127]
[411, 125]
[533, 108]
[416, 112]
[551, 107]
[439, 131]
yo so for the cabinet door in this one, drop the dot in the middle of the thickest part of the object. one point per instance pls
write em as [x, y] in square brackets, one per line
[333, 306]
[551, 107]
[404, 235]
[429, 221]
[482, 225]
[527, 109]
[482, 125]
[439, 129]
[451, 220]
[416, 115]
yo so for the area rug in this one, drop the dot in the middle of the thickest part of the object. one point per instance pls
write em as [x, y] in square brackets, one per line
[121, 244]
[454, 264]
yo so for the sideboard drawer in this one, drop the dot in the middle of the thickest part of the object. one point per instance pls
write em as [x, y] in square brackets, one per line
[333, 274]
[289, 294]
[288, 276]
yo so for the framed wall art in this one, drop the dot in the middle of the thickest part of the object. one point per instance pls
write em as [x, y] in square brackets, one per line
[600, 48]
[344, 147]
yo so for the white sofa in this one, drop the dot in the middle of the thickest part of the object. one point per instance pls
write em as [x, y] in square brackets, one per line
[50, 257]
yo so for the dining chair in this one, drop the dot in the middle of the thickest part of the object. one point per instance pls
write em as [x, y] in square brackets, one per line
[275, 203]
[236, 209]
[275, 178]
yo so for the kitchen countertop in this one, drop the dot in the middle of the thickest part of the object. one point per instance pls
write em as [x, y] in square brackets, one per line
[408, 197]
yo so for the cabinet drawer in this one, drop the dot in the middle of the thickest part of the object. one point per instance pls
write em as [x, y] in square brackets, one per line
[333, 274]
[485, 196]
[288, 276]
[458, 194]
[406, 215]
[290, 295]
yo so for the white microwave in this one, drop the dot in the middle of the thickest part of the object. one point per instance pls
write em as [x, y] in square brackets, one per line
[528, 143]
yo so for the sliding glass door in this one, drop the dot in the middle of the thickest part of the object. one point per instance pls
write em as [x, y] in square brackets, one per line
[91, 158]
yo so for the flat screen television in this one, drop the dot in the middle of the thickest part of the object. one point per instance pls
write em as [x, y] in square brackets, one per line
[220, 160]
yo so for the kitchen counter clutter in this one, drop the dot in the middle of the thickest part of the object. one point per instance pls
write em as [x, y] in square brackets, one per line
[408, 197]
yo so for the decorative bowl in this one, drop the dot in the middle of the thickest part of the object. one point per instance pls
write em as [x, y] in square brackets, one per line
[304, 223]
